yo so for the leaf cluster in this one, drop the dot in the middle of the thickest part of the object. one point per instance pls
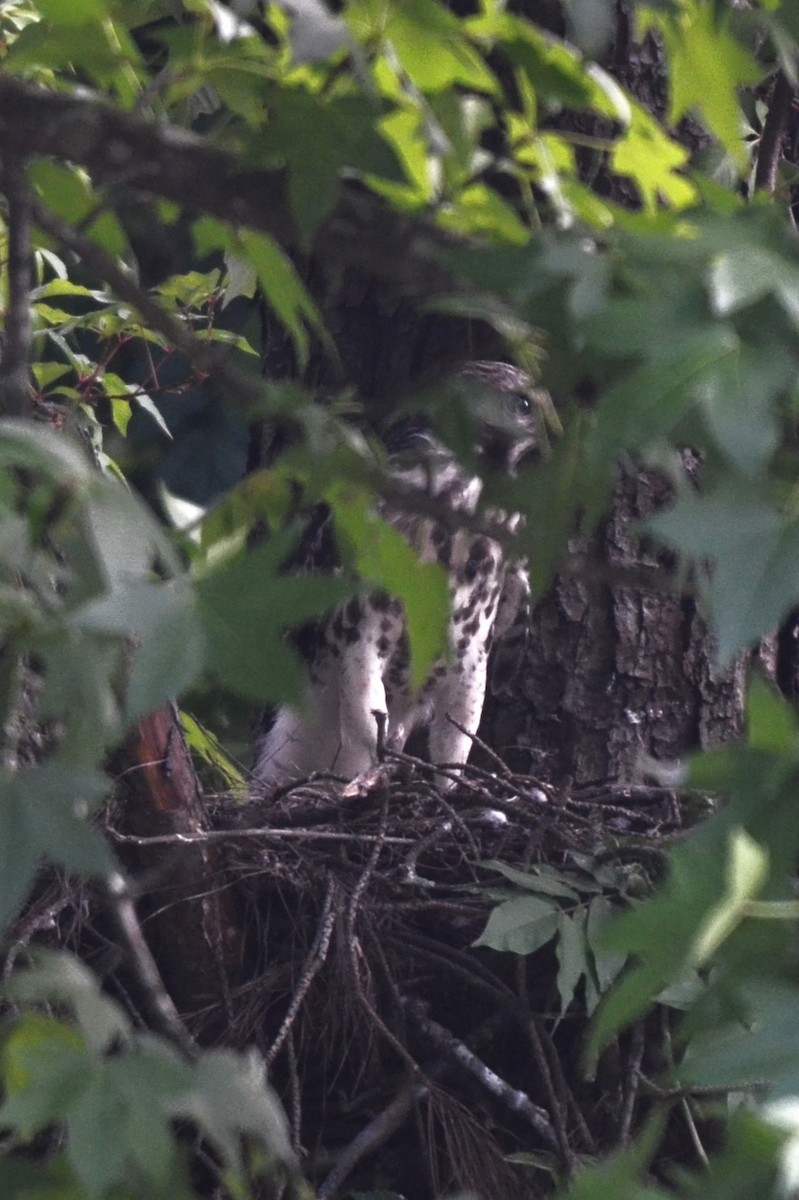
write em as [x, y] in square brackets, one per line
[678, 309]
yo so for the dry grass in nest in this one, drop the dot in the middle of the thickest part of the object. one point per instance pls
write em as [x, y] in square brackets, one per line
[408, 1058]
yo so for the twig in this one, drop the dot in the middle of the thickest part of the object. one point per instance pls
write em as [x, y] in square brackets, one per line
[372, 1136]
[451, 772]
[315, 960]
[15, 398]
[461, 964]
[352, 946]
[774, 129]
[502, 767]
[381, 720]
[205, 356]
[631, 1084]
[430, 839]
[693, 1133]
[295, 1093]
[245, 835]
[456, 1051]
[539, 1055]
[31, 923]
[650, 1088]
[386, 1122]
[161, 1010]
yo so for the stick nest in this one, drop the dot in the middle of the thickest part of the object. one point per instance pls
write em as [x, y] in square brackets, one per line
[411, 1060]
[407, 1055]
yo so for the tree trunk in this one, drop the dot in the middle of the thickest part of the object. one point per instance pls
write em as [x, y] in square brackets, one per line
[616, 674]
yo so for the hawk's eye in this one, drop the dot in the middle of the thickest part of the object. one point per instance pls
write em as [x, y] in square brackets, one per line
[523, 405]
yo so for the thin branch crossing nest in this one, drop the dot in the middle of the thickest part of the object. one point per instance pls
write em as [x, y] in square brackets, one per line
[410, 1058]
[371, 1002]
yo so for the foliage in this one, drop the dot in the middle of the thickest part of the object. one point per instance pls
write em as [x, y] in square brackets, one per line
[680, 306]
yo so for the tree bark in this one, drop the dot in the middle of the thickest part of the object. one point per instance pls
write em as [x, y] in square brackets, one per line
[190, 922]
[615, 675]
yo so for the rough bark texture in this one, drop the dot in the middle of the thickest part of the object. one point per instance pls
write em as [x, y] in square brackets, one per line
[616, 675]
[189, 920]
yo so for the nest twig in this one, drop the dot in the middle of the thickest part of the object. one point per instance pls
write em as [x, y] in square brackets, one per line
[363, 989]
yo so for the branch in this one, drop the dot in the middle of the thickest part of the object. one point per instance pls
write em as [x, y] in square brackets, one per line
[203, 355]
[774, 129]
[118, 147]
[259, 834]
[457, 1051]
[163, 1014]
[379, 1130]
[313, 964]
[121, 149]
[15, 398]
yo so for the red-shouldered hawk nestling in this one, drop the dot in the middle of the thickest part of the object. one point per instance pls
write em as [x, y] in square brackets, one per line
[358, 659]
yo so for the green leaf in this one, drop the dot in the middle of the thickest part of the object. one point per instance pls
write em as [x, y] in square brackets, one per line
[738, 397]
[229, 1097]
[55, 977]
[479, 210]
[771, 722]
[757, 1046]
[652, 160]
[162, 621]
[109, 56]
[747, 871]
[648, 401]
[321, 141]
[73, 12]
[193, 289]
[742, 274]
[383, 557]
[207, 747]
[80, 691]
[755, 556]
[284, 290]
[117, 1110]
[607, 963]
[43, 814]
[707, 65]
[534, 880]
[433, 48]
[116, 389]
[705, 886]
[68, 193]
[521, 926]
[571, 951]
[404, 130]
[246, 608]
[552, 67]
[120, 415]
[120, 1120]
[43, 1062]
[25, 444]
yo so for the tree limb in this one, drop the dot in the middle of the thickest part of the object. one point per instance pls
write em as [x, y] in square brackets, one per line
[458, 1052]
[15, 400]
[161, 1010]
[206, 356]
[774, 129]
[121, 149]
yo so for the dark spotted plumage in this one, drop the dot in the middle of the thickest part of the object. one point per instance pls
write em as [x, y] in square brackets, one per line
[358, 659]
